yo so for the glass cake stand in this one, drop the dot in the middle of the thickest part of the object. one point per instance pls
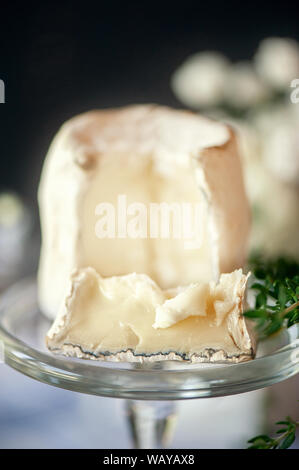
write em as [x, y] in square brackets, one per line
[149, 389]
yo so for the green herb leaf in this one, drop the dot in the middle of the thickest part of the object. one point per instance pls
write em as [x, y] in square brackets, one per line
[286, 437]
[277, 299]
[288, 441]
[276, 306]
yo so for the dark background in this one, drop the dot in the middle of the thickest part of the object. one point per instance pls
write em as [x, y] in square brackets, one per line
[62, 58]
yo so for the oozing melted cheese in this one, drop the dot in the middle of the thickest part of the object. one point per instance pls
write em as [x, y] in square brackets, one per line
[107, 316]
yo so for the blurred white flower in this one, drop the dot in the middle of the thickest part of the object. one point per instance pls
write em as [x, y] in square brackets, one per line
[268, 134]
[274, 202]
[277, 61]
[244, 88]
[275, 214]
[201, 79]
[15, 228]
[11, 209]
[279, 130]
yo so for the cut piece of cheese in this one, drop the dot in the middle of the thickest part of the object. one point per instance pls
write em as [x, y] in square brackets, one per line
[150, 155]
[130, 318]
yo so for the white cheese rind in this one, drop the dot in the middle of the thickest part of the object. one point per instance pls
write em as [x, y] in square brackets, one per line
[174, 140]
[112, 319]
[195, 300]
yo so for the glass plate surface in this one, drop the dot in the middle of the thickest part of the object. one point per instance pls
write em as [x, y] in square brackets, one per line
[22, 333]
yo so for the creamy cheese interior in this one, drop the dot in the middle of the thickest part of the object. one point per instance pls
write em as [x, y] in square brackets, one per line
[172, 261]
[108, 316]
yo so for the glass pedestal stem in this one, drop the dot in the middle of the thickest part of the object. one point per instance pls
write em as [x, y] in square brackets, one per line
[151, 423]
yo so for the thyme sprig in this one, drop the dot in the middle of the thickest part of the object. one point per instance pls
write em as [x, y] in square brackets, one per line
[286, 436]
[276, 306]
[277, 299]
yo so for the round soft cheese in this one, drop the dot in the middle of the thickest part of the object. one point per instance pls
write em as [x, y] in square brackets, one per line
[115, 191]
